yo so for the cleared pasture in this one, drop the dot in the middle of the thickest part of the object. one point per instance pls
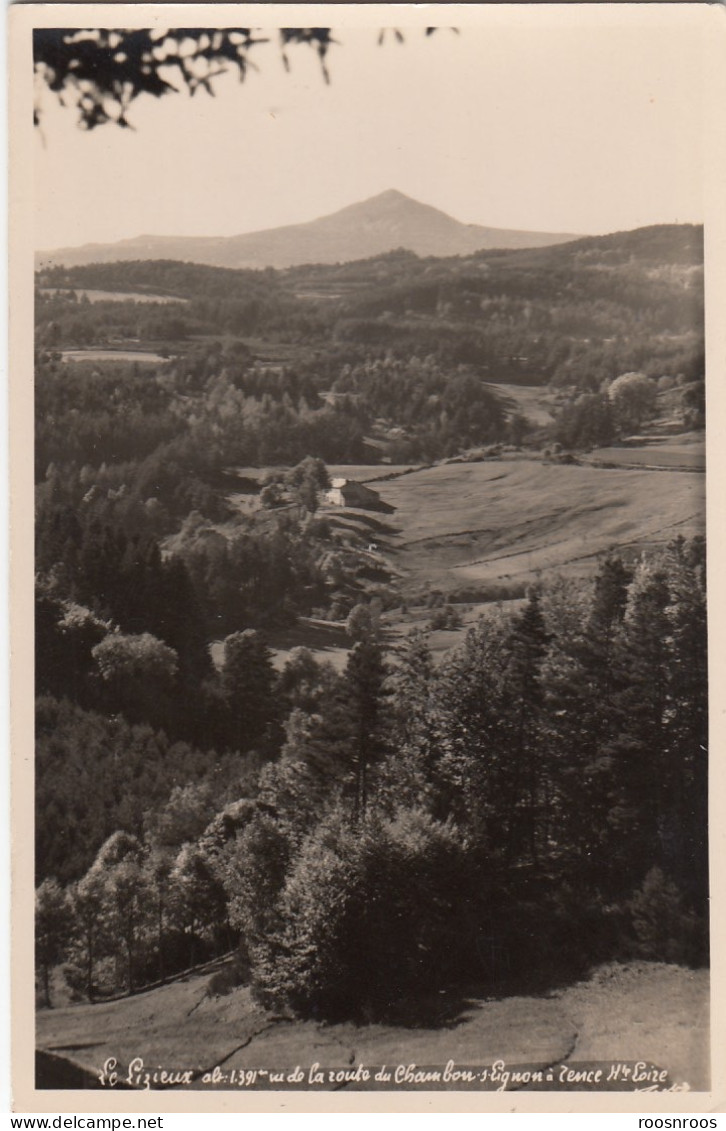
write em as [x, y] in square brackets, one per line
[398, 625]
[481, 532]
[501, 521]
[533, 402]
[143, 357]
[327, 640]
[111, 296]
[687, 451]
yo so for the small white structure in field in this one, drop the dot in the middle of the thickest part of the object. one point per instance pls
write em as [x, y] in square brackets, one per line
[348, 493]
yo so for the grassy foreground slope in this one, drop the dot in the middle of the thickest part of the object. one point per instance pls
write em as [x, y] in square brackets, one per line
[463, 525]
[641, 1011]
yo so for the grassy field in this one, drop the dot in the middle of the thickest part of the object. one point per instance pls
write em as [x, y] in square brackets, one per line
[482, 531]
[398, 624]
[463, 526]
[641, 1011]
[686, 451]
[112, 296]
[143, 357]
[533, 402]
[327, 641]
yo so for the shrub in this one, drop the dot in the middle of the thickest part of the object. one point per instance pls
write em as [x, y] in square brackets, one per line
[534, 931]
[368, 918]
[447, 618]
[633, 398]
[129, 658]
[664, 928]
[232, 974]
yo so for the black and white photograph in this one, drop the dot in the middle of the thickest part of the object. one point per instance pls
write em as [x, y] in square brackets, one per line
[371, 666]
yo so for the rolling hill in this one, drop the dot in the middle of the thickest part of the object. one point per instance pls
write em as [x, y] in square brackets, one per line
[371, 227]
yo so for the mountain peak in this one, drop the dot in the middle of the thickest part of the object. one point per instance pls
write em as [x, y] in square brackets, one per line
[392, 194]
[394, 198]
[389, 220]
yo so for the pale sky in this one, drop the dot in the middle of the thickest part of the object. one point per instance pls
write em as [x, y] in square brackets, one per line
[578, 125]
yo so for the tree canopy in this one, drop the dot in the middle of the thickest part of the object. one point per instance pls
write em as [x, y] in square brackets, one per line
[102, 70]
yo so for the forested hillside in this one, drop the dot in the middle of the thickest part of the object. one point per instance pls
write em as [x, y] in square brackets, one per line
[574, 314]
[538, 797]
[401, 822]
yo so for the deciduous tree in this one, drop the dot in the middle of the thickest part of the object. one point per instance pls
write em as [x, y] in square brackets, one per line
[53, 923]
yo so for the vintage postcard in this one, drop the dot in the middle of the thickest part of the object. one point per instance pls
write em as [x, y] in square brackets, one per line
[367, 557]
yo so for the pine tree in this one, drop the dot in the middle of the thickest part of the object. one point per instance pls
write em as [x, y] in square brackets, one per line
[522, 723]
[687, 725]
[412, 771]
[642, 775]
[472, 768]
[364, 676]
[583, 716]
[347, 738]
[248, 682]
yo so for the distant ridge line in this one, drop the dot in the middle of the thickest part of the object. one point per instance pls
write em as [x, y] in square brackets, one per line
[382, 223]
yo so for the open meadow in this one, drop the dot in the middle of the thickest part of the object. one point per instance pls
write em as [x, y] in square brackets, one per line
[683, 452]
[466, 526]
[189, 1025]
[481, 532]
